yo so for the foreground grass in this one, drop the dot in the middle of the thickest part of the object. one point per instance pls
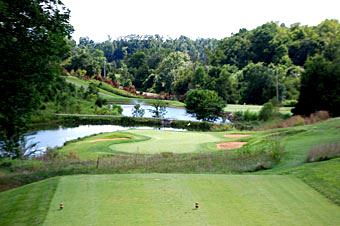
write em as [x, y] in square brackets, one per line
[322, 176]
[27, 205]
[168, 199]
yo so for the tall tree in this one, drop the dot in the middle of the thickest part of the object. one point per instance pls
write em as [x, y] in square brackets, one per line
[168, 69]
[204, 104]
[320, 87]
[257, 84]
[32, 43]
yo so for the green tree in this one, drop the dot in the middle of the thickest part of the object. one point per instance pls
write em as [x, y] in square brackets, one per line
[168, 69]
[138, 111]
[267, 111]
[86, 58]
[267, 44]
[257, 84]
[200, 77]
[159, 110]
[137, 64]
[234, 50]
[204, 104]
[226, 84]
[33, 44]
[320, 86]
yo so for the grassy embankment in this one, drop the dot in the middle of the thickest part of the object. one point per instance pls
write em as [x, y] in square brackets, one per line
[115, 95]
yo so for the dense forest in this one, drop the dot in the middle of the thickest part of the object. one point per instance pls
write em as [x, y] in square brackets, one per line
[251, 66]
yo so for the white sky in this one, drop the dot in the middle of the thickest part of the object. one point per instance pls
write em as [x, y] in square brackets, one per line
[193, 18]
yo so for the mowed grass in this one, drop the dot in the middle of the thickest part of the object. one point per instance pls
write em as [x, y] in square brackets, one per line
[94, 146]
[168, 199]
[322, 176]
[252, 108]
[27, 205]
[168, 141]
[143, 142]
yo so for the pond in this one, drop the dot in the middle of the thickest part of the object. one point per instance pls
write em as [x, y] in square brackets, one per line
[57, 137]
[171, 113]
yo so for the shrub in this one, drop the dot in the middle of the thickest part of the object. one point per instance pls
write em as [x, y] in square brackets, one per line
[167, 154]
[296, 120]
[250, 116]
[247, 115]
[319, 116]
[267, 111]
[289, 103]
[276, 151]
[100, 102]
[324, 152]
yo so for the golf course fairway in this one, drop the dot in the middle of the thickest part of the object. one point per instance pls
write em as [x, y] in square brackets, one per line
[168, 199]
[167, 141]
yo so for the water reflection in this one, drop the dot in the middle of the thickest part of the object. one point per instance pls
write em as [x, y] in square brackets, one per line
[57, 137]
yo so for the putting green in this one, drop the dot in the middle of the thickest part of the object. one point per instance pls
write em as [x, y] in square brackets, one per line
[168, 199]
[168, 141]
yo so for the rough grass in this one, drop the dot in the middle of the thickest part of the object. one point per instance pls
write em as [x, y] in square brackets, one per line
[168, 199]
[324, 152]
[27, 205]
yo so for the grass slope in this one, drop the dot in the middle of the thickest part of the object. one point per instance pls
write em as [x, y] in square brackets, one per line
[322, 176]
[118, 96]
[168, 199]
[27, 205]
[297, 145]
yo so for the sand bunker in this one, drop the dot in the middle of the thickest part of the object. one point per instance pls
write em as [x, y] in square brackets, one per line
[108, 139]
[230, 145]
[236, 135]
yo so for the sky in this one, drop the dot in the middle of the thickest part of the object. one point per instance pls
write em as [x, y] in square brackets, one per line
[98, 19]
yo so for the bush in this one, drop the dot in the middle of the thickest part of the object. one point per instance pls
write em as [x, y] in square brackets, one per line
[296, 120]
[267, 111]
[100, 102]
[247, 115]
[324, 152]
[250, 116]
[319, 116]
[289, 103]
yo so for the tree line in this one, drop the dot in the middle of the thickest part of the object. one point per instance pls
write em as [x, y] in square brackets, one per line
[251, 66]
